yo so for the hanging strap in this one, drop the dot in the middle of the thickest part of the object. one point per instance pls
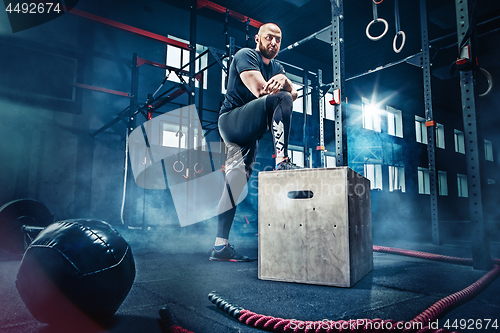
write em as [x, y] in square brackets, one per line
[376, 19]
[398, 29]
[178, 165]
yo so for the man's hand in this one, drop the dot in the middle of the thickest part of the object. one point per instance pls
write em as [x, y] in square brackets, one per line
[280, 82]
[255, 82]
[275, 84]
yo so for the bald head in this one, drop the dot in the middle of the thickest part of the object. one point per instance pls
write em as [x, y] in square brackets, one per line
[268, 40]
[266, 27]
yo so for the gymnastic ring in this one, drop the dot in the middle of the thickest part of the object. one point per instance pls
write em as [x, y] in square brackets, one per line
[378, 2]
[490, 81]
[402, 43]
[376, 21]
[182, 166]
[195, 170]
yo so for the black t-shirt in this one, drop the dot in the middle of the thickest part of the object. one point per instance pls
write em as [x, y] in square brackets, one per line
[244, 60]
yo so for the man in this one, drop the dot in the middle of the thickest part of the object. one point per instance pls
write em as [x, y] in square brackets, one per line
[259, 98]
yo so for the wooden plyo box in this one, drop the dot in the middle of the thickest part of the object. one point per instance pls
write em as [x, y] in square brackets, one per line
[315, 226]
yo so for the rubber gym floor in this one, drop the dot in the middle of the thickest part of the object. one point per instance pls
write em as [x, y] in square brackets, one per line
[398, 288]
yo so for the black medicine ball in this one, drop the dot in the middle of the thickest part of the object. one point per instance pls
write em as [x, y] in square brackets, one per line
[75, 268]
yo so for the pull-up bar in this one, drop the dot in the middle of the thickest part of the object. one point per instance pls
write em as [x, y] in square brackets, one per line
[308, 38]
[221, 9]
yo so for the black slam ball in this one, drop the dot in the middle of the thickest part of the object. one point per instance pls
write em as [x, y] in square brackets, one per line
[76, 268]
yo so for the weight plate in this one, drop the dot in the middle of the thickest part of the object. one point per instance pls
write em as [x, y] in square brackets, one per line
[13, 216]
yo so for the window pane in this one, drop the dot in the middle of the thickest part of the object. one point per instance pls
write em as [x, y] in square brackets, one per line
[177, 58]
[394, 122]
[423, 181]
[378, 176]
[443, 183]
[330, 161]
[170, 136]
[224, 78]
[459, 141]
[462, 186]
[374, 173]
[420, 130]
[391, 125]
[371, 115]
[298, 104]
[488, 150]
[396, 178]
[440, 136]
[298, 157]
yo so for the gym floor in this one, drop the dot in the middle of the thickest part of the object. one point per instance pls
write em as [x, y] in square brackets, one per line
[398, 288]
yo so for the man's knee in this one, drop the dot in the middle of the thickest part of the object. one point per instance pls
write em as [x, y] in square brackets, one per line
[282, 101]
[286, 97]
[286, 102]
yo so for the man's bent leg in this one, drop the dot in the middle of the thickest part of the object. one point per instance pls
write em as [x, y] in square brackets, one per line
[280, 106]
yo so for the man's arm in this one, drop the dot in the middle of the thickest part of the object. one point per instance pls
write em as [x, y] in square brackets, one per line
[256, 83]
[281, 82]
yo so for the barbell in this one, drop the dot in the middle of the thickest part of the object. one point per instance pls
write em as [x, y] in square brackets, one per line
[20, 222]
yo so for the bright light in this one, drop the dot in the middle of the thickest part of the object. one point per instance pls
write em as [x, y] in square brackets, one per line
[372, 109]
[371, 117]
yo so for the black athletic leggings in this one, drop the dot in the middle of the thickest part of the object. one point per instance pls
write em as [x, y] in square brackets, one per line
[241, 129]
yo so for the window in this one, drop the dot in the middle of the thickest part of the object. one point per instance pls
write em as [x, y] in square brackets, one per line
[329, 109]
[424, 185]
[178, 57]
[204, 145]
[330, 161]
[459, 141]
[462, 186]
[420, 130]
[375, 118]
[442, 183]
[397, 178]
[371, 116]
[224, 77]
[297, 157]
[374, 173]
[488, 150]
[298, 104]
[170, 137]
[440, 135]
[394, 122]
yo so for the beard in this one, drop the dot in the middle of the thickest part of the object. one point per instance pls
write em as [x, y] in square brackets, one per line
[267, 53]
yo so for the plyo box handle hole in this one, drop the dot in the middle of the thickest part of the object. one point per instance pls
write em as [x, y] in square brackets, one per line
[304, 194]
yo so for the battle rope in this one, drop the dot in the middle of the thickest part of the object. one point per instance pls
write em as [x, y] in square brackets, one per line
[170, 322]
[419, 324]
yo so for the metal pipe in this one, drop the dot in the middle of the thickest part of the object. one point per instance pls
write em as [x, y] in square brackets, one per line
[294, 45]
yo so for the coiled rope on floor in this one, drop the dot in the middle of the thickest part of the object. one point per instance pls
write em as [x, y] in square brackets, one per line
[419, 324]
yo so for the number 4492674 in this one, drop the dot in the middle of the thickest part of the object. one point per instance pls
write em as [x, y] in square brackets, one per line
[471, 324]
[33, 8]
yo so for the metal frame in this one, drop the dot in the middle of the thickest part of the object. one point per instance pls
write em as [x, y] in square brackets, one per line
[430, 123]
[305, 105]
[229, 12]
[127, 28]
[338, 46]
[321, 147]
[473, 142]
